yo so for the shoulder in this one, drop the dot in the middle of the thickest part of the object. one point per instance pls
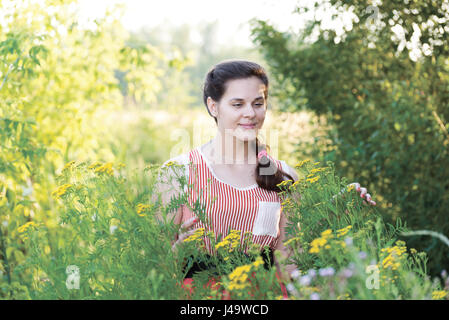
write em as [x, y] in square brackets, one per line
[168, 178]
[182, 159]
[289, 170]
[175, 165]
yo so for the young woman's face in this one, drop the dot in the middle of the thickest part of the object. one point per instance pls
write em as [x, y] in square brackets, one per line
[241, 111]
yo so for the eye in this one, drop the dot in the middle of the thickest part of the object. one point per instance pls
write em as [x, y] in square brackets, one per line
[237, 104]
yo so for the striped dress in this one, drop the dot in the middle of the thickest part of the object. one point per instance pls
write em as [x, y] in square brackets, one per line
[251, 210]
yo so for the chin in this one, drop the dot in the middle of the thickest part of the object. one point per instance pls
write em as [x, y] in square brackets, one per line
[247, 136]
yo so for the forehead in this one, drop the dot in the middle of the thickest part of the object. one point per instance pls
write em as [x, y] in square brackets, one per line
[247, 89]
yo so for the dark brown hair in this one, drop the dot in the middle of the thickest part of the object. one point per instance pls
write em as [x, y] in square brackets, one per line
[268, 175]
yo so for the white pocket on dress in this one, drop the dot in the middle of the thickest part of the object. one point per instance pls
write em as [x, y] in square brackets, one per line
[267, 219]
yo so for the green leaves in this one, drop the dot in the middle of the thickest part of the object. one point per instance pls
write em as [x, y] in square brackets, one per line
[385, 106]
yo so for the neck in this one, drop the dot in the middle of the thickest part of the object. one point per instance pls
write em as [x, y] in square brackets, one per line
[229, 150]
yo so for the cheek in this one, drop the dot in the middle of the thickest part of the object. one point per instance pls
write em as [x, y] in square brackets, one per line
[261, 115]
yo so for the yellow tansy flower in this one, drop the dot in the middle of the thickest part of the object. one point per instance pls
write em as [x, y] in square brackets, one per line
[326, 233]
[437, 295]
[258, 262]
[142, 208]
[301, 163]
[196, 236]
[106, 168]
[61, 190]
[316, 170]
[94, 165]
[26, 226]
[343, 231]
[312, 180]
[68, 165]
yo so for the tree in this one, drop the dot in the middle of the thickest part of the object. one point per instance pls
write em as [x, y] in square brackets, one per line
[383, 84]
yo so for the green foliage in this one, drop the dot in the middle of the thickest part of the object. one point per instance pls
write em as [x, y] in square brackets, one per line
[342, 247]
[184, 88]
[112, 236]
[385, 103]
[55, 77]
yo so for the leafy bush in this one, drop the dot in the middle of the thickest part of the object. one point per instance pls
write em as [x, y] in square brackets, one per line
[385, 104]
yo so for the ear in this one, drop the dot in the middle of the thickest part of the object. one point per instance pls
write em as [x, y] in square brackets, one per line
[212, 106]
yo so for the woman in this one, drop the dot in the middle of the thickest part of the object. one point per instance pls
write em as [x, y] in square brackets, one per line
[234, 168]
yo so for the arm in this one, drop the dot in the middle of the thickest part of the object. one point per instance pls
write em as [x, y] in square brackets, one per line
[167, 186]
[285, 252]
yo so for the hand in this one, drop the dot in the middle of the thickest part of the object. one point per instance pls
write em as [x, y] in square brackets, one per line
[363, 194]
[186, 233]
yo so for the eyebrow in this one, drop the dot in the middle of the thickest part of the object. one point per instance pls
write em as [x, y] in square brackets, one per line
[240, 99]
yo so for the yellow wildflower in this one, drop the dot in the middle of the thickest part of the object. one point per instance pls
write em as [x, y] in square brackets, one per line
[301, 163]
[107, 168]
[239, 273]
[258, 262]
[326, 233]
[26, 226]
[231, 241]
[238, 278]
[437, 295]
[284, 183]
[29, 225]
[68, 165]
[392, 260]
[235, 286]
[314, 250]
[94, 165]
[321, 242]
[142, 208]
[317, 170]
[221, 244]
[297, 182]
[316, 244]
[61, 190]
[170, 163]
[286, 243]
[343, 231]
[312, 180]
[196, 236]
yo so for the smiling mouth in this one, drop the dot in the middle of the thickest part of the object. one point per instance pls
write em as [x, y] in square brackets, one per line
[248, 126]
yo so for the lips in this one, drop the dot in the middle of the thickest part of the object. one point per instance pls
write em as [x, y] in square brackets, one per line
[248, 126]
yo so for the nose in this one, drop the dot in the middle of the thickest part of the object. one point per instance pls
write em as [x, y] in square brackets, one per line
[249, 111]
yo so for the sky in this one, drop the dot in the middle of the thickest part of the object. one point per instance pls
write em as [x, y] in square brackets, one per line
[231, 15]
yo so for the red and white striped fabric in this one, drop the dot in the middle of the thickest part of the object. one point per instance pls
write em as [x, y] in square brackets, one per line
[251, 209]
